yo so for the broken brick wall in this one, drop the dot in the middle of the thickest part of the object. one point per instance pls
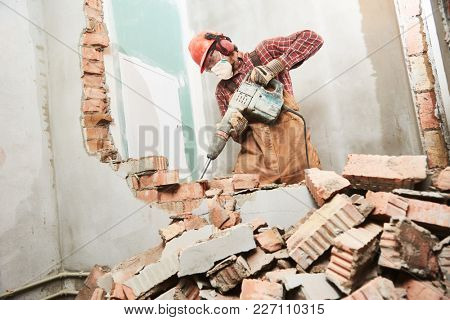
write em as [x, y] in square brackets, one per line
[419, 61]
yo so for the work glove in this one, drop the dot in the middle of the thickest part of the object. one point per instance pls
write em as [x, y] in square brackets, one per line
[238, 125]
[263, 74]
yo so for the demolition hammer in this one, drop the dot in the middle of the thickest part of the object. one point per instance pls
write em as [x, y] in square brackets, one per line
[256, 104]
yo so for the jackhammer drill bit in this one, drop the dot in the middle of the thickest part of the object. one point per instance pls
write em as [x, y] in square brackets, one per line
[206, 168]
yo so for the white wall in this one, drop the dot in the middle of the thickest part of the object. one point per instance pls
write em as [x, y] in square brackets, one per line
[29, 241]
[353, 104]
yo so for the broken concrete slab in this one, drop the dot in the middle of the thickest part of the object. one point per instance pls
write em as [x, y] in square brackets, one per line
[261, 290]
[229, 273]
[317, 234]
[187, 239]
[279, 276]
[353, 252]
[405, 245]
[201, 257]
[258, 260]
[313, 286]
[280, 207]
[377, 289]
[384, 173]
[213, 295]
[324, 185]
[153, 275]
[270, 240]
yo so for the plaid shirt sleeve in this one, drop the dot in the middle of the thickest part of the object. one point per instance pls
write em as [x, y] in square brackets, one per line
[222, 97]
[293, 49]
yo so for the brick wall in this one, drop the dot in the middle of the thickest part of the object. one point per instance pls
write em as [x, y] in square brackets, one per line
[422, 80]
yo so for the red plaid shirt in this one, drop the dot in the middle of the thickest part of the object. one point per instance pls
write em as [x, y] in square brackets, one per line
[291, 50]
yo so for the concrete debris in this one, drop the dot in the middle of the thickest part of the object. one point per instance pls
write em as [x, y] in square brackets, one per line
[351, 255]
[405, 245]
[384, 173]
[286, 247]
[312, 286]
[324, 185]
[202, 256]
[317, 234]
[258, 260]
[377, 289]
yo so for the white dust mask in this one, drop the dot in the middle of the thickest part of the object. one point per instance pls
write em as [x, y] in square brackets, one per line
[223, 69]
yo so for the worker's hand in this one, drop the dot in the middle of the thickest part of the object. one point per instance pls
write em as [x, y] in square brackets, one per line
[263, 74]
[238, 125]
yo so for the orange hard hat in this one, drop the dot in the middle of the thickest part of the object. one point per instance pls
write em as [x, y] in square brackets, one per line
[204, 42]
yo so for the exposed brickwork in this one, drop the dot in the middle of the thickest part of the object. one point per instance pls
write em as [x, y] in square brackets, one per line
[418, 59]
[384, 172]
[245, 181]
[261, 290]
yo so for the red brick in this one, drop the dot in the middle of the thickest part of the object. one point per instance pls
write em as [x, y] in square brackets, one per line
[92, 80]
[426, 103]
[118, 293]
[316, 235]
[405, 245]
[436, 149]
[415, 42]
[95, 39]
[96, 120]
[94, 146]
[235, 219]
[385, 173]
[422, 290]
[95, 4]
[90, 284]
[96, 133]
[93, 67]
[93, 14]
[442, 180]
[270, 240]
[190, 205]
[387, 205]
[323, 185]
[94, 93]
[129, 294]
[225, 184]
[245, 181]
[182, 192]
[147, 195]
[261, 290]
[258, 223]
[194, 222]
[176, 207]
[377, 289]
[94, 105]
[156, 179]
[352, 255]
[172, 231]
[91, 53]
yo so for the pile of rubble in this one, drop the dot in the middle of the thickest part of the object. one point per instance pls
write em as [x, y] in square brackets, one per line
[372, 236]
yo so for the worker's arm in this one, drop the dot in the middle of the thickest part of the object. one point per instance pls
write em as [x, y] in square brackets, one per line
[291, 50]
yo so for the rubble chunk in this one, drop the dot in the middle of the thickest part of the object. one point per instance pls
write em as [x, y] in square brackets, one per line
[384, 173]
[387, 205]
[258, 223]
[442, 181]
[213, 295]
[261, 290]
[98, 294]
[316, 235]
[258, 260]
[242, 181]
[229, 273]
[224, 184]
[405, 245]
[422, 290]
[353, 252]
[313, 286]
[155, 179]
[279, 276]
[377, 289]
[172, 231]
[202, 256]
[90, 284]
[324, 185]
[270, 240]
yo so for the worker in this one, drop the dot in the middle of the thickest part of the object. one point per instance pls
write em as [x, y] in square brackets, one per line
[275, 152]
